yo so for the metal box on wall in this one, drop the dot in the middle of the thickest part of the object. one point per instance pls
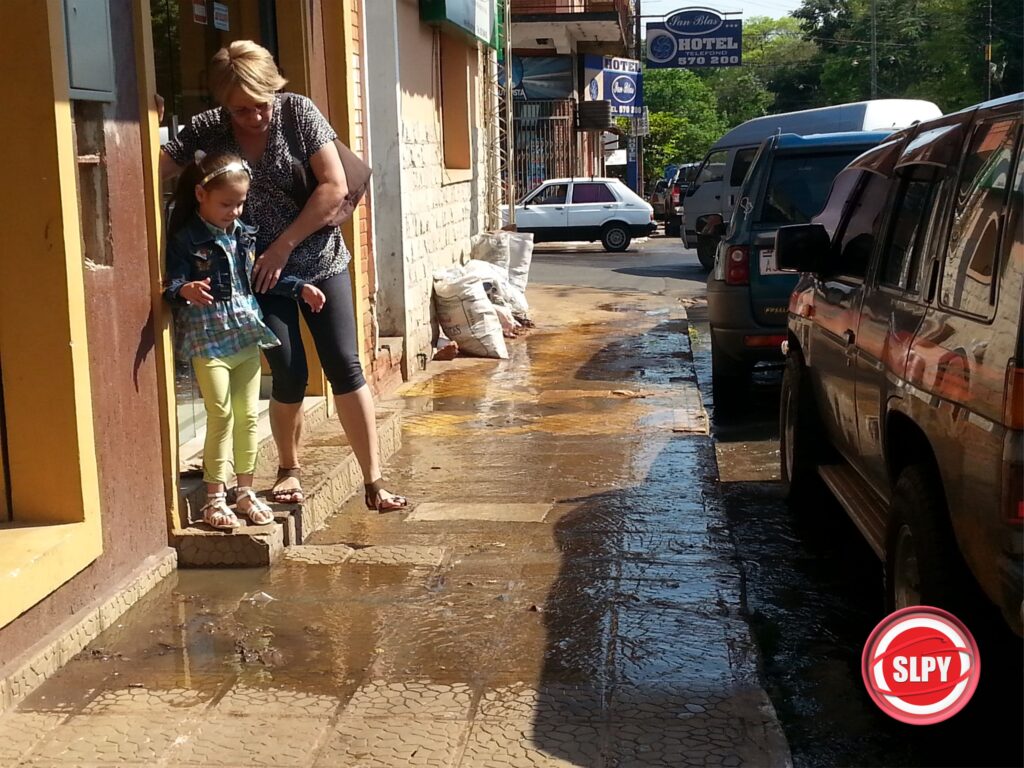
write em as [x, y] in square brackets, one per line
[90, 49]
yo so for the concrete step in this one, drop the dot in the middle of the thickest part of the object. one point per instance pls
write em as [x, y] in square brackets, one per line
[330, 476]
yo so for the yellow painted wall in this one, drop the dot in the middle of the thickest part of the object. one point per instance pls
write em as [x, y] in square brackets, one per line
[47, 391]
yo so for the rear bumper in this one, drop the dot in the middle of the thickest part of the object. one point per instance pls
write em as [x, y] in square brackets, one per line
[1012, 583]
[643, 230]
[732, 324]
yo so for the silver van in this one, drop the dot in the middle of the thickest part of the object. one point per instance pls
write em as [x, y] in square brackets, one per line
[712, 196]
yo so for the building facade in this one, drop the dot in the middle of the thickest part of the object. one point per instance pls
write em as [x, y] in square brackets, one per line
[95, 409]
[550, 40]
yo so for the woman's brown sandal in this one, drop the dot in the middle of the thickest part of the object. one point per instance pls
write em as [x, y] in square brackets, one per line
[287, 495]
[379, 500]
[217, 514]
[255, 509]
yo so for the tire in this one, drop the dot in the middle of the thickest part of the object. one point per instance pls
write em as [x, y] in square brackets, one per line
[729, 381]
[707, 246]
[615, 238]
[802, 440]
[923, 565]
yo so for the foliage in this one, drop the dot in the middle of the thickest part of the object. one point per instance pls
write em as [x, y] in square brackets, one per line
[821, 55]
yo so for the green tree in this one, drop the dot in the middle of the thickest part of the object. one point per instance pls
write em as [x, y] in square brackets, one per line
[684, 119]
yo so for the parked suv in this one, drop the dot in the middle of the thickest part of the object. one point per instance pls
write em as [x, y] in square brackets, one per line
[904, 380]
[787, 183]
[677, 187]
[657, 198]
[585, 209]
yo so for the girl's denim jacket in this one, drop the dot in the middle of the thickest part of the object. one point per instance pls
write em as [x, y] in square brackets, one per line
[193, 253]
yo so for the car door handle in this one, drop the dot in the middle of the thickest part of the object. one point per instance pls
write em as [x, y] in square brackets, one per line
[607, 206]
[849, 337]
[559, 207]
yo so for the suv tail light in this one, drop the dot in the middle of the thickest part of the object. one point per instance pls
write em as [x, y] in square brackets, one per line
[677, 194]
[737, 265]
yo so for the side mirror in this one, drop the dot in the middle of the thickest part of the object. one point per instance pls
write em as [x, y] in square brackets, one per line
[802, 247]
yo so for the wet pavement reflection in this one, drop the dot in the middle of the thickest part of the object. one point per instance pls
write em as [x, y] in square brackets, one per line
[582, 606]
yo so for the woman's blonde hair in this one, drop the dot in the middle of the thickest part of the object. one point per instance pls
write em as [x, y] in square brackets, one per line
[247, 66]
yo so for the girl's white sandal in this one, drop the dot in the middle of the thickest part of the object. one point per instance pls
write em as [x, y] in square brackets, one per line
[258, 512]
[217, 514]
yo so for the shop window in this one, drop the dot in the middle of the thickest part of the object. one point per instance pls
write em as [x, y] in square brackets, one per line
[455, 111]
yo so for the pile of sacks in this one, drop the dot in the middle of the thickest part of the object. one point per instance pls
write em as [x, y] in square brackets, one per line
[482, 302]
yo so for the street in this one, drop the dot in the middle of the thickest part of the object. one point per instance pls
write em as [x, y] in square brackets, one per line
[594, 573]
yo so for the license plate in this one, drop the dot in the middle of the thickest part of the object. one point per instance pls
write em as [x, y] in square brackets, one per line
[768, 262]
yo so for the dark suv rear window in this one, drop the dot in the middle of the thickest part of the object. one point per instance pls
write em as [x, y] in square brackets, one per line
[799, 185]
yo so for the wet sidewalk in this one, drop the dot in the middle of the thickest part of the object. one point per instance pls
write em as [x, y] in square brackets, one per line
[561, 595]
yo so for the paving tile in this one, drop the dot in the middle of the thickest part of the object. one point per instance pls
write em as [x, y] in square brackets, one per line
[549, 703]
[226, 740]
[318, 554]
[111, 739]
[357, 742]
[21, 731]
[413, 698]
[483, 510]
[276, 701]
[528, 744]
[150, 701]
[400, 555]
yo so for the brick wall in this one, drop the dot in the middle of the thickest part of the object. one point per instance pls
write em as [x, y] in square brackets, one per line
[443, 208]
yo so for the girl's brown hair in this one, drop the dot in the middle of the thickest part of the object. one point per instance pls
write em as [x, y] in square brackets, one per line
[185, 202]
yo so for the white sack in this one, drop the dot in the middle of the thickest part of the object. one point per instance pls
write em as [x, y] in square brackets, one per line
[466, 315]
[520, 250]
[492, 247]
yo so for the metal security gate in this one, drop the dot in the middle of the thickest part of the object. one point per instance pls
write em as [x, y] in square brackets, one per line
[544, 135]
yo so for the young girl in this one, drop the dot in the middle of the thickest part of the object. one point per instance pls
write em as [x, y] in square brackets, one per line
[210, 255]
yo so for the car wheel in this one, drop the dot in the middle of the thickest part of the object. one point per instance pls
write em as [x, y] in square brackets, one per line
[923, 564]
[802, 442]
[615, 238]
[729, 381]
[707, 246]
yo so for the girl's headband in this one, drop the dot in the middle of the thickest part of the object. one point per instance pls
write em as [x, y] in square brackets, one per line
[229, 168]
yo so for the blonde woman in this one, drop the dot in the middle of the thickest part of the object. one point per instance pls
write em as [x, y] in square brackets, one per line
[269, 128]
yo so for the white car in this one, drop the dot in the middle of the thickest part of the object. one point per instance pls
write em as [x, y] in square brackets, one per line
[584, 209]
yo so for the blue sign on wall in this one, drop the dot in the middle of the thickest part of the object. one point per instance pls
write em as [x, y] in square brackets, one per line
[539, 77]
[616, 80]
[694, 38]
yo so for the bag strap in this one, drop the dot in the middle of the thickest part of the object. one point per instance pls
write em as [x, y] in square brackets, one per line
[289, 124]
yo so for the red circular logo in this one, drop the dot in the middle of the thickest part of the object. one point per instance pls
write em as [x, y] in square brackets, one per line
[921, 665]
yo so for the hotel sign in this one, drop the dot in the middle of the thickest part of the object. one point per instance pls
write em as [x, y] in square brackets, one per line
[695, 38]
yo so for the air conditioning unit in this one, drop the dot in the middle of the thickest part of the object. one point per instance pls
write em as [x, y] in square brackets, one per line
[594, 116]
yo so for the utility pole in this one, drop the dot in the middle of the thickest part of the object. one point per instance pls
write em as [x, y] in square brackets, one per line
[639, 139]
[874, 49]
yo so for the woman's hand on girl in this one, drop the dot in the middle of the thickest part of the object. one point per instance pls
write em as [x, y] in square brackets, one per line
[197, 292]
[314, 297]
[268, 267]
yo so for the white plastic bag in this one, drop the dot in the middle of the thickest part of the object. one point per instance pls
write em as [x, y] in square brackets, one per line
[520, 251]
[466, 315]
